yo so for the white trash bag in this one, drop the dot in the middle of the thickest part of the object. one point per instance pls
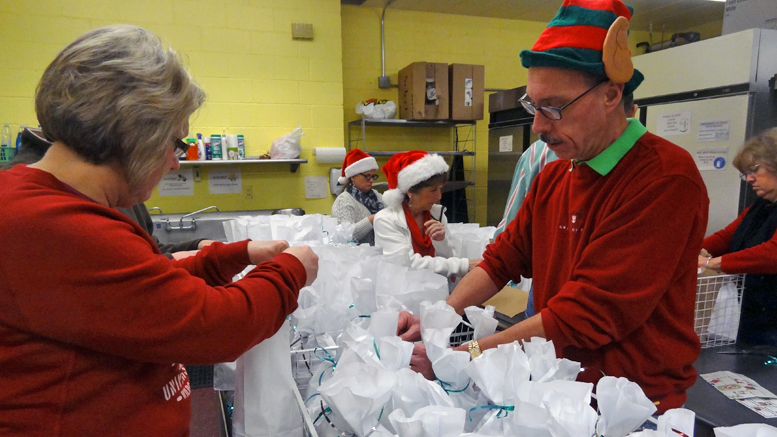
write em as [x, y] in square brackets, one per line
[288, 146]
[377, 109]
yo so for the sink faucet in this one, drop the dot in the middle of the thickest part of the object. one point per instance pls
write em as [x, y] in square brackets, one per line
[191, 227]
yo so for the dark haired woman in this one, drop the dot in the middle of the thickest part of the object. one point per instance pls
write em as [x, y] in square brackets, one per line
[413, 222]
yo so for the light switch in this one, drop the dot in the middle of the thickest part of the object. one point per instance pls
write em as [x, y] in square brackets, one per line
[301, 30]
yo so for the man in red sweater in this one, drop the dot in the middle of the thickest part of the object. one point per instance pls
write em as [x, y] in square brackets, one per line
[611, 231]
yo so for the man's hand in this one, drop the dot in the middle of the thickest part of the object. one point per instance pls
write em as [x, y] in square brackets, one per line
[409, 327]
[420, 363]
[308, 258]
[262, 251]
[435, 230]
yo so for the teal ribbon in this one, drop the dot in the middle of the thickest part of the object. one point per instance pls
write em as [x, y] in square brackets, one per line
[375, 345]
[323, 413]
[502, 409]
[328, 358]
[312, 396]
[450, 390]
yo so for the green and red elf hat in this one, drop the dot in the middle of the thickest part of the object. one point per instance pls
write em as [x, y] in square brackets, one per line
[577, 36]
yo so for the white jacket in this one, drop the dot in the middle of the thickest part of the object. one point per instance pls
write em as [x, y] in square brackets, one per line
[393, 235]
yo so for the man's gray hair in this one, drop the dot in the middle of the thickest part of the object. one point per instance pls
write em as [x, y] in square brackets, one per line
[117, 94]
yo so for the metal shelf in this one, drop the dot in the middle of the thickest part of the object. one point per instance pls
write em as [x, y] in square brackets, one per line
[463, 137]
[445, 153]
[293, 163]
[449, 186]
[409, 123]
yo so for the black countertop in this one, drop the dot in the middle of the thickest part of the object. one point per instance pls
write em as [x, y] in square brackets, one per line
[714, 409]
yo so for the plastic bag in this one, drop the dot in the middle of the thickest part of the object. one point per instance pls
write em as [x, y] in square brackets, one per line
[377, 109]
[287, 146]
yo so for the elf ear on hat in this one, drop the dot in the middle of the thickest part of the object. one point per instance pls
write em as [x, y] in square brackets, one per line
[589, 36]
[407, 169]
[355, 162]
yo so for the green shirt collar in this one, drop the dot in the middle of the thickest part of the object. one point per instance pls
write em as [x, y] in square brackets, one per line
[604, 162]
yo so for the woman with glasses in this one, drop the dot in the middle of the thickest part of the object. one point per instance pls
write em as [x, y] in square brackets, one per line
[94, 321]
[413, 222]
[358, 203]
[749, 243]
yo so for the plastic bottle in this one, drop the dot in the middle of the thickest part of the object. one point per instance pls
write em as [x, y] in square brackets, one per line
[231, 143]
[201, 155]
[192, 151]
[5, 137]
[241, 147]
[19, 137]
[208, 149]
[215, 147]
[7, 152]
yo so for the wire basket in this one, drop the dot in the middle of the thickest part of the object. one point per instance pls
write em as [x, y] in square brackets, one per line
[718, 305]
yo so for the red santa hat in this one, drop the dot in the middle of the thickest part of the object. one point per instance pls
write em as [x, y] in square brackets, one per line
[407, 169]
[355, 162]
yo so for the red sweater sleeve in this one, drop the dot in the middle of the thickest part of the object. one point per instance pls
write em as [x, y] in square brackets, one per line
[84, 275]
[717, 243]
[217, 263]
[760, 259]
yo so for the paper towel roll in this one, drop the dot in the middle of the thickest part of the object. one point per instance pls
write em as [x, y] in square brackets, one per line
[329, 155]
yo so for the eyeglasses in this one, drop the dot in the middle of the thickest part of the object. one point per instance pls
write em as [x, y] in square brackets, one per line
[370, 177]
[749, 171]
[551, 112]
[180, 148]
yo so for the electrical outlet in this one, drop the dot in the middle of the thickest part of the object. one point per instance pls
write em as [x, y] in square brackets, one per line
[301, 31]
[196, 172]
[249, 192]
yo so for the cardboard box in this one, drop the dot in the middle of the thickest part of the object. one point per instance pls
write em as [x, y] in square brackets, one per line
[467, 83]
[423, 91]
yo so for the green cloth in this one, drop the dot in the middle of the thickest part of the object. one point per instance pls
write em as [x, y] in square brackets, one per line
[604, 162]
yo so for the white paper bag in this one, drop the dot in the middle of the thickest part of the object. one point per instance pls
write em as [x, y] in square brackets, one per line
[265, 403]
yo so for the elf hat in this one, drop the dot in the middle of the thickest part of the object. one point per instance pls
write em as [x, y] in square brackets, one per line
[589, 36]
[355, 162]
[407, 169]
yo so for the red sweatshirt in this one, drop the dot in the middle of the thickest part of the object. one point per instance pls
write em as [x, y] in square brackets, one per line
[613, 260]
[760, 259]
[94, 319]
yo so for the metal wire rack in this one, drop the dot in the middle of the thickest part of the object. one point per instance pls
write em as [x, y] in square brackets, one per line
[718, 305]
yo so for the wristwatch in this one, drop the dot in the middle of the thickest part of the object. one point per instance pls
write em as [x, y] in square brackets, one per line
[474, 349]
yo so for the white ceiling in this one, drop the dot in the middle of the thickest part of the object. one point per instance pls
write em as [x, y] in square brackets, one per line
[676, 15]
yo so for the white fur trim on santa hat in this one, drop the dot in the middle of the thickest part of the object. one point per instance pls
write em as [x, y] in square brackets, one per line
[360, 166]
[419, 171]
[393, 197]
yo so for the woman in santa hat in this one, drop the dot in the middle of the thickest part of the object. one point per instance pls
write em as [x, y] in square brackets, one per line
[413, 222]
[358, 203]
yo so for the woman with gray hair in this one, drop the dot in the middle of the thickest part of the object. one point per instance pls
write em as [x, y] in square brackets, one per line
[749, 243]
[93, 318]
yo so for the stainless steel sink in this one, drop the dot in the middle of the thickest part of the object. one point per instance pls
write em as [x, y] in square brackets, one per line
[174, 228]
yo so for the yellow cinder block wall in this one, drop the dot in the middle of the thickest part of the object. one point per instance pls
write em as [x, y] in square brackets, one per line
[262, 83]
[259, 81]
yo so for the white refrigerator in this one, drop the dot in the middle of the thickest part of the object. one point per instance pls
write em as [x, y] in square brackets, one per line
[709, 97]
